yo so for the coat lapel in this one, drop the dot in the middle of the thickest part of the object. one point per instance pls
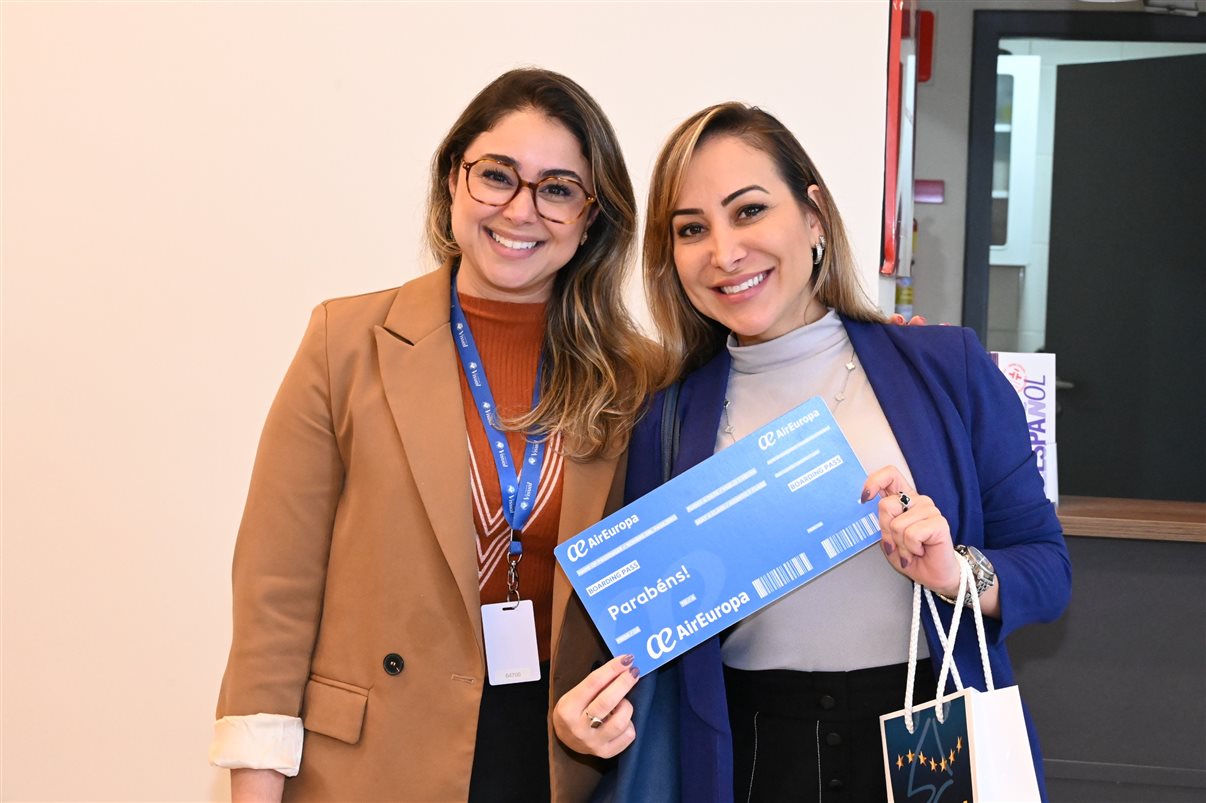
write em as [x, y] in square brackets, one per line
[419, 367]
[907, 404]
[584, 500]
[701, 405]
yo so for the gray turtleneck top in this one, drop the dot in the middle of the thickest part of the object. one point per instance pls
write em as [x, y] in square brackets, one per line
[857, 615]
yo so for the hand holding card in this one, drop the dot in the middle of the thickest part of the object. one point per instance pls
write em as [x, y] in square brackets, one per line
[723, 539]
[594, 717]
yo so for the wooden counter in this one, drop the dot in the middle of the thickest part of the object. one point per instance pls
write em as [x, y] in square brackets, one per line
[1138, 519]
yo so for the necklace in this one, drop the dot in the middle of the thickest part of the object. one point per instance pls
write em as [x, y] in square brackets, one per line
[838, 397]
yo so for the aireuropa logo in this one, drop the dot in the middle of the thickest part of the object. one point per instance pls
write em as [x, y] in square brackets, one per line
[661, 643]
[580, 547]
[770, 438]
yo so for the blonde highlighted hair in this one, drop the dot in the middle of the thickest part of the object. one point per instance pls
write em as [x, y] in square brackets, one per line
[689, 337]
[597, 365]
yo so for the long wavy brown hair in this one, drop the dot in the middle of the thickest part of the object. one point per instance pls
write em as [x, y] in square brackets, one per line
[597, 365]
[689, 337]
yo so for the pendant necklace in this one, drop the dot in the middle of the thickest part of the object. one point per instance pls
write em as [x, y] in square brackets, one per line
[838, 397]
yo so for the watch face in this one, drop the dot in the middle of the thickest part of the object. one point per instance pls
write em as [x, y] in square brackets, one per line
[982, 570]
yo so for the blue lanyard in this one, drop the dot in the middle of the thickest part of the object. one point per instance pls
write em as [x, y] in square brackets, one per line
[518, 489]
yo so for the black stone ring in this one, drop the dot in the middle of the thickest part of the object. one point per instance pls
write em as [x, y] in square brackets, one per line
[905, 502]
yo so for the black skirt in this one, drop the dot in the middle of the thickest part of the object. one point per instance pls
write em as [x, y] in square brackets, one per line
[814, 735]
[511, 757]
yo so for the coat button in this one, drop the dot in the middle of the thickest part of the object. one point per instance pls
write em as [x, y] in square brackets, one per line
[833, 739]
[393, 664]
[827, 702]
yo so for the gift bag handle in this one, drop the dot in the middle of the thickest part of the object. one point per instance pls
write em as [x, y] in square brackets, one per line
[947, 640]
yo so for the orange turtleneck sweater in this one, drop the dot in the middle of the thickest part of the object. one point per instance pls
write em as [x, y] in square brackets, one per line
[509, 337]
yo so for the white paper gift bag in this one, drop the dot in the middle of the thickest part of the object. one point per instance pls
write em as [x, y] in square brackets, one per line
[974, 749]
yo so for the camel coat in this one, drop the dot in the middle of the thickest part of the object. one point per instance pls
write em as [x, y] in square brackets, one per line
[358, 543]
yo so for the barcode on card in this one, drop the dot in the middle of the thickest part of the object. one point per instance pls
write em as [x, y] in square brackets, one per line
[851, 536]
[777, 578]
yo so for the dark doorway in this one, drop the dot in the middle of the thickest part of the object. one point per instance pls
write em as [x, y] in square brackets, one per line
[1128, 277]
[989, 28]
[1124, 317]
[1127, 260]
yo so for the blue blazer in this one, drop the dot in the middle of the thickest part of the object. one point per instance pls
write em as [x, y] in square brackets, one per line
[964, 434]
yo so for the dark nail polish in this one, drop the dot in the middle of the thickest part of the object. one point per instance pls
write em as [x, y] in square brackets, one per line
[636, 673]
[888, 547]
[866, 495]
[904, 563]
[626, 660]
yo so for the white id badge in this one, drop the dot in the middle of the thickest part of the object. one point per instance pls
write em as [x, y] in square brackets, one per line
[511, 652]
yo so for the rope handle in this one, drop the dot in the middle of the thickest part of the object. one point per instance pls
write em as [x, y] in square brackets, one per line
[947, 640]
[942, 639]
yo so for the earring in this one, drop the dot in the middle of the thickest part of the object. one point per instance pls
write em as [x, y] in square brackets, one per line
[818, 250]
[585, 237]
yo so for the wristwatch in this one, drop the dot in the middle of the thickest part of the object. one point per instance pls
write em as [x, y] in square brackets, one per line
[982, 573]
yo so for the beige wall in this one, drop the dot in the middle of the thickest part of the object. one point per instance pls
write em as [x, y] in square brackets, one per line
[181, 183]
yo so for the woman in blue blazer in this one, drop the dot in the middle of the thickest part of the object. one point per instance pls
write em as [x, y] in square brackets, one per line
[752, 285]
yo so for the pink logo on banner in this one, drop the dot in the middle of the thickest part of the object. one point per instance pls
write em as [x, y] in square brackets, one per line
[1016, 374]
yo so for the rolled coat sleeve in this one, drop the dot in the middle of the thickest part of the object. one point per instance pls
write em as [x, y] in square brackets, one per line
[280, 560]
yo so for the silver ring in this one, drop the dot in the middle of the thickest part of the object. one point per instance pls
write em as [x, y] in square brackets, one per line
[594, 720]
[905, 501]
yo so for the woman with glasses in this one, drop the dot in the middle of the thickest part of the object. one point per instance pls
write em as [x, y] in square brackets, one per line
[752, 284]
[398, 625]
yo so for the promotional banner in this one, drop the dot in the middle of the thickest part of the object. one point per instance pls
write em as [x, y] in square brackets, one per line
[1033, 377]
[724, 539]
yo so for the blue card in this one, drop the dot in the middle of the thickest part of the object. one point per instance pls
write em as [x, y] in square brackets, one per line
[724, 539]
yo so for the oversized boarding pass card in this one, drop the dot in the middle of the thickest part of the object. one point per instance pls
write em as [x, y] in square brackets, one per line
[724, 539]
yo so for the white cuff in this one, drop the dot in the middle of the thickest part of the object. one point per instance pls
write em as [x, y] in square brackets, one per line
[258, 742]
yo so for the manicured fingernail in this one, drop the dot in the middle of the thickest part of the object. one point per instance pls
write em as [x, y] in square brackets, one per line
[866, 495]
[626, 660]
[921, 320]
[634, 671]
[888, 547]
[904, 562]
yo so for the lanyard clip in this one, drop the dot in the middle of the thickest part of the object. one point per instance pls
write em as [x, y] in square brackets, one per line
[515, 555]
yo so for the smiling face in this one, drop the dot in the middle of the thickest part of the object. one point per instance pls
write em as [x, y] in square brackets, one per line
[511, 253]
[743, 243]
